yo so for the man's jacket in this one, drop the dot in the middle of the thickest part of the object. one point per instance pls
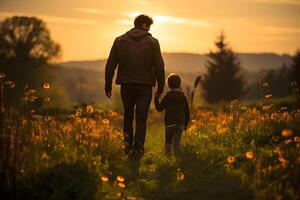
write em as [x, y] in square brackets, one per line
[138, 58]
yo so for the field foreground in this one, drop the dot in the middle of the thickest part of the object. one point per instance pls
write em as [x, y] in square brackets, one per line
[235, 153]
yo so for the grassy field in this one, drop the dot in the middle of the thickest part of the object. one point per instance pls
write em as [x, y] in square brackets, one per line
[234, 152]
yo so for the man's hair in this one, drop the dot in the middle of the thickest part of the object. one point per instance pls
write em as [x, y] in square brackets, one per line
[174, 81]
[142, 19]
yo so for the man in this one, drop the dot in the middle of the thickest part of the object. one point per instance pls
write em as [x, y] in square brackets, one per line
[138, 58]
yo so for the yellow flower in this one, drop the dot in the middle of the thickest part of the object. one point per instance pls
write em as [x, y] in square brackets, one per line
[230, 159]
[60, 93]
[104, 178]
[294, 83]
[249, 155]
[11, 84]
[46, 86]
[275, 138]
[286, 133]
[121, 185]
[2, 76]
[288, 141]
[296, 139]
[89, 109]
[267, 96]
[180, 176]
[47, 99]
[113, 114]
[265, 84]
[120, 179]
[105, 121]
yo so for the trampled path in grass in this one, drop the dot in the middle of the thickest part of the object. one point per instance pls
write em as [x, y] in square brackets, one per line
[185, 177]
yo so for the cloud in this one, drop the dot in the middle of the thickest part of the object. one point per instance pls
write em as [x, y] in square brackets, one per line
[174, 20]
[288, 2]
[89, 10]
[281, 30]
[125, 22]
[51, 19]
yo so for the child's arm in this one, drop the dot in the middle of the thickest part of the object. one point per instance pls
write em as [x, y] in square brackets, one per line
[160, 106]
[187, 113]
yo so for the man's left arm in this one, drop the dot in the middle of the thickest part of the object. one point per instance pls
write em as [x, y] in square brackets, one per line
[111, 65]
[159, 68]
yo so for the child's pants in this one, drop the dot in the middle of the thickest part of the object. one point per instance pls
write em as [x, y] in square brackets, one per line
[172, 138]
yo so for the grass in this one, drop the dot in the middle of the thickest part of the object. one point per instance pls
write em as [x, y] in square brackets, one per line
[243, 152]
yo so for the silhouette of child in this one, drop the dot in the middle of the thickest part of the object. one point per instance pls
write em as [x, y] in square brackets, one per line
[177, 114]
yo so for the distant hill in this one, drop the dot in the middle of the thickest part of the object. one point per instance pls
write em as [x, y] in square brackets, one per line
[186, 62]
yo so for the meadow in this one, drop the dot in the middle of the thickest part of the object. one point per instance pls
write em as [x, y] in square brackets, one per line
[233, 151]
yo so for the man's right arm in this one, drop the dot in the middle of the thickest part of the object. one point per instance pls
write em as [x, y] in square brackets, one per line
[159, 67]
[111, 65]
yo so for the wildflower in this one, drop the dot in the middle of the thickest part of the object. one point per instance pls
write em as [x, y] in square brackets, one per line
[104, 178]
[46, 99]
[230, 159]
[286, 133]
[2, 76]
[265, 84]
[46, 86]
[287, 141]
[11, 84]
[277, 151]
[283, 108]
[180, 176]
[249, 155]
[89, 109]
[105, 121]
[295, 90]
[120, 194]
[275, 138]
[112, 114]
[31, 91]
[78, 113]
[283, 161]
[120, 179]
[267, 96]
[67, 128]
[121, 185]
[296, 139]
[60, 93]
[294, 83]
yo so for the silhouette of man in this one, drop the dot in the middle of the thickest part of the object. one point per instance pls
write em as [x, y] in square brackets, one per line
[140, 64]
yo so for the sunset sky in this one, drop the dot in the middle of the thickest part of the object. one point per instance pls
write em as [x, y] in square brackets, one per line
[86, 28]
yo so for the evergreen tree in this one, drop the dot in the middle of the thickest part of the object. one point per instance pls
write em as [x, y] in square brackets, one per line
[295, 68]
[223, 81]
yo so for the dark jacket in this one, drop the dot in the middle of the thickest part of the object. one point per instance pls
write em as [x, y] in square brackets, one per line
[138, 57]
[176, 108]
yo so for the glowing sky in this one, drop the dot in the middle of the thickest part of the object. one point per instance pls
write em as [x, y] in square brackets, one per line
[86, 28]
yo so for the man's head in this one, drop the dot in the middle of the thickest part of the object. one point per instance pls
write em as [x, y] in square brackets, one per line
[143, 22]
[174, 81]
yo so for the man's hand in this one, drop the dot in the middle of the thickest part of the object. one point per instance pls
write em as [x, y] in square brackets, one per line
[108, 94]
[158, 95]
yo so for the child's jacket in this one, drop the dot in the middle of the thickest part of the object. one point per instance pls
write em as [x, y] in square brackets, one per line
[176, 108]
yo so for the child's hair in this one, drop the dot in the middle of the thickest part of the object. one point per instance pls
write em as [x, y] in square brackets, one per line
[174, 81]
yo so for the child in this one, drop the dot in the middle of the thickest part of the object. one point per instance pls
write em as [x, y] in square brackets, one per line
[177, 113]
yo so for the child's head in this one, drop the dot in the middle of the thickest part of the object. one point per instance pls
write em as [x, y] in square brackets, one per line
[174, 81]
